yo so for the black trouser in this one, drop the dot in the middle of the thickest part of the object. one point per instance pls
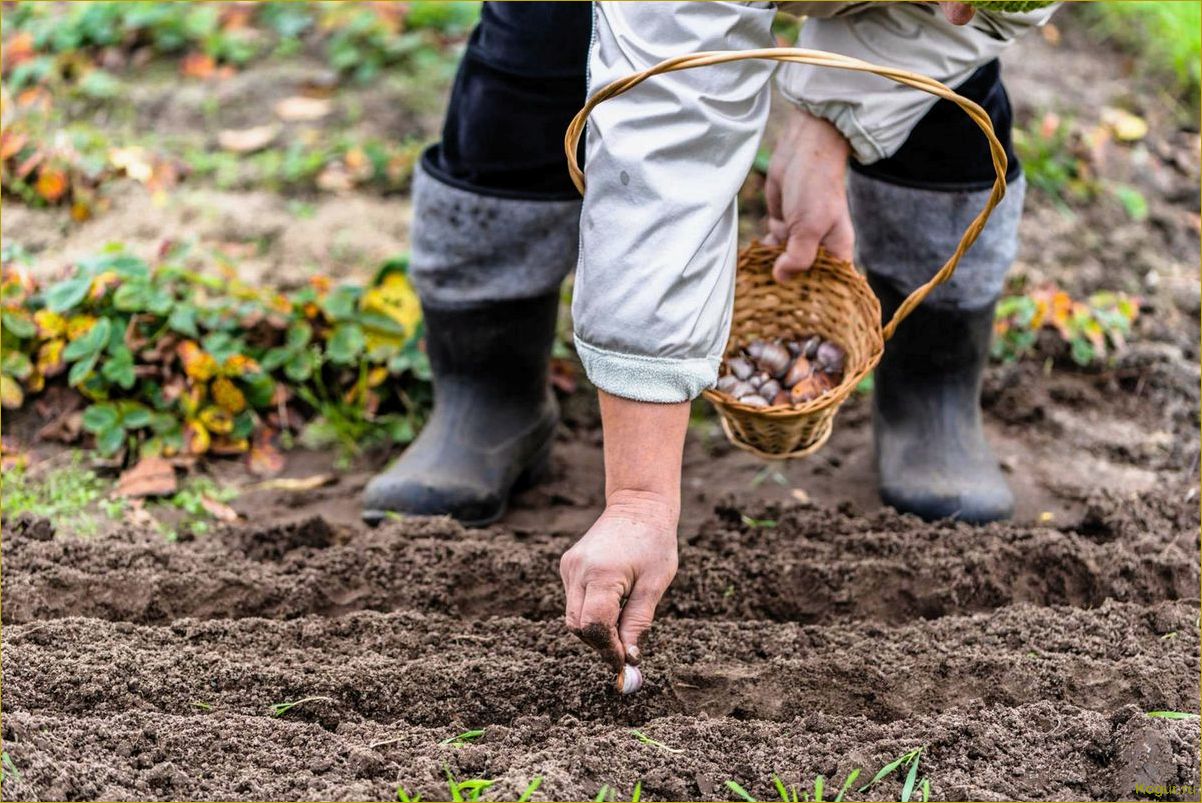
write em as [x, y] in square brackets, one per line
[523, 78]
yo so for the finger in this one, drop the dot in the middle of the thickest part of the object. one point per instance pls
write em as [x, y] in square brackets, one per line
[841, 241]
[799, 255]
[637, 616]
[599, 620]
[958, 13]
[772, 195]
[573, 593]
[778, 232]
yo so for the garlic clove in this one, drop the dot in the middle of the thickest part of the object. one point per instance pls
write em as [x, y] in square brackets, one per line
[630, 680]
[755, 349]
[741, 388]
[800, 370]
[810, 347]
[769, 389]
[830, 358]
[758, 380]
[726, 382]
[740, 367]
[794, 347]
[774, 359]
[754, 400]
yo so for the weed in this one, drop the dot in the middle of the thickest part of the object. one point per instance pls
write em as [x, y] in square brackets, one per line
[202, 705]
[791, 794]
[467, 790]
[1092, 328]
[1172, 715]
[405, 797]
[64, 495]
[756, 524]
[645, 739]
[608, 794]
[279, 709]
[769, 473]
[467, 737]
[9, 768]
[531, 788]
[908, 761]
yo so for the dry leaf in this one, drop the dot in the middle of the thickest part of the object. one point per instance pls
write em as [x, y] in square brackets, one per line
[334, 178]
[52, 183]
[247, 140]
[152, 476]
[1127, 127]
[303, 109]
[295, 483]
[218, 510]
[264, 459]
[198, 65]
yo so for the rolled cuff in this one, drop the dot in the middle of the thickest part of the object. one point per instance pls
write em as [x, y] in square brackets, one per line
[662, 380]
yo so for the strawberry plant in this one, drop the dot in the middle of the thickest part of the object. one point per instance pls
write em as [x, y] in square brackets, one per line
[172, 360]
[1091, 329]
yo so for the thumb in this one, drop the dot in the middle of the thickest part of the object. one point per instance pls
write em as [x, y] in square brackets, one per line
[637, 615]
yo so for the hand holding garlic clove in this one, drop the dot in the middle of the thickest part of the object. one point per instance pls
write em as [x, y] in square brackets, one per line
[773, 373]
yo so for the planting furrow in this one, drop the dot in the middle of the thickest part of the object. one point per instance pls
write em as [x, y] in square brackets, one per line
[794, 572]
[431, 670]
[1035, 751]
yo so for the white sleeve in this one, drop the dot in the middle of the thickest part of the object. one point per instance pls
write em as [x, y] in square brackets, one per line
[664, 163]
[876, 114]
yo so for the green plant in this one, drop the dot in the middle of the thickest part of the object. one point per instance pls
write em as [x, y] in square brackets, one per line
[1172, 715]
[1091, 328]
[908, 761]
[175, 360]
[467, 790]
[607, 793]
[791, 794]
[279, 709]
[1053, 161]
[65, 495]
[756, 524]
[405, 797]
[9, 768]
[467, 737]
[645, 739]
[531, 788]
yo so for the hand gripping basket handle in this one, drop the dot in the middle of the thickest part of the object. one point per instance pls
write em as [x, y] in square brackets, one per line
[821, 58]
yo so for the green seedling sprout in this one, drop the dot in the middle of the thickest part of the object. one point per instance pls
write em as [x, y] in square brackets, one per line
[851, 778]
[464, 738]
[279, 709]
[9, 768]
[531, 788]
[910, 761]
[740, 791]
[601, 794]
[202, 705]
[1172, 715]
[473, 787]
[403, 796]
[645, 739]
[758, 523]
[606, 794]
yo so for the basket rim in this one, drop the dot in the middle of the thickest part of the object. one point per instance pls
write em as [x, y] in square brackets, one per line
[837, 394]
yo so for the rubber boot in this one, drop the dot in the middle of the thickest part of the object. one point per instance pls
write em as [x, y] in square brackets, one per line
[931, 453]
[494, 414]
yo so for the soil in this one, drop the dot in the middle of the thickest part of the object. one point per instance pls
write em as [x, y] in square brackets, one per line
[1023, 657]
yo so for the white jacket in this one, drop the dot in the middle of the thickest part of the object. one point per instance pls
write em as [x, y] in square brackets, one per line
[665, 160]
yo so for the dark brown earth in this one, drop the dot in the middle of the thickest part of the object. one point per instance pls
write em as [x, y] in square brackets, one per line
[1022, 657]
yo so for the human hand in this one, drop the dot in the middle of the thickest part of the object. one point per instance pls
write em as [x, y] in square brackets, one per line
[629, 553]
[957, 13]
[807, 200]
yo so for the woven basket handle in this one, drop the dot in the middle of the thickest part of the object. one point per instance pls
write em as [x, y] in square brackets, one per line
[821, 58]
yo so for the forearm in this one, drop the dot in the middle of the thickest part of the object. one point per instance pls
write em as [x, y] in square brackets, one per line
[644, 443]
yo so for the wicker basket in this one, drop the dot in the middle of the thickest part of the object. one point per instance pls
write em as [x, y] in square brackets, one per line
[832, 299]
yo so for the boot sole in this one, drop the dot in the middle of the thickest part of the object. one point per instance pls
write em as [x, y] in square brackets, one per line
[538, 471]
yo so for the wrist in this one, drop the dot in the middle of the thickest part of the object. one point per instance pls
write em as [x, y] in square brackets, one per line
[825, 135]
[650, 507]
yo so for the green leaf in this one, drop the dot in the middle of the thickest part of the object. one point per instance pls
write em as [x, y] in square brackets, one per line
[341, 303]
[531, 788]
[183, 320]
[67, 294]
[19, 323]
[346, 343]
[851, 778]
[299, 335]
[300, 367]
[780, 788]
[91, 343]
[135, 416]
[81, 370]
[17, 364]
[132, 296]
[1082, 351]
[885, 770]
[259, 390]
[740, 791]
[819, 785]
[99, 417]
[1172, 715]
[911, 778]
[119, 368]
[110, 440]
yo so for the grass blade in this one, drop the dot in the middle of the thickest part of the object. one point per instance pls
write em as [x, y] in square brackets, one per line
[600, 798]
[740, 791]
[531, 789]
[645, 739]
[463, 738]
[638, 792]
[780, 788]
[925, 788]
[819, 783]
[885, 770]
[851, 778]
[1172, 715]
[911, 778]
